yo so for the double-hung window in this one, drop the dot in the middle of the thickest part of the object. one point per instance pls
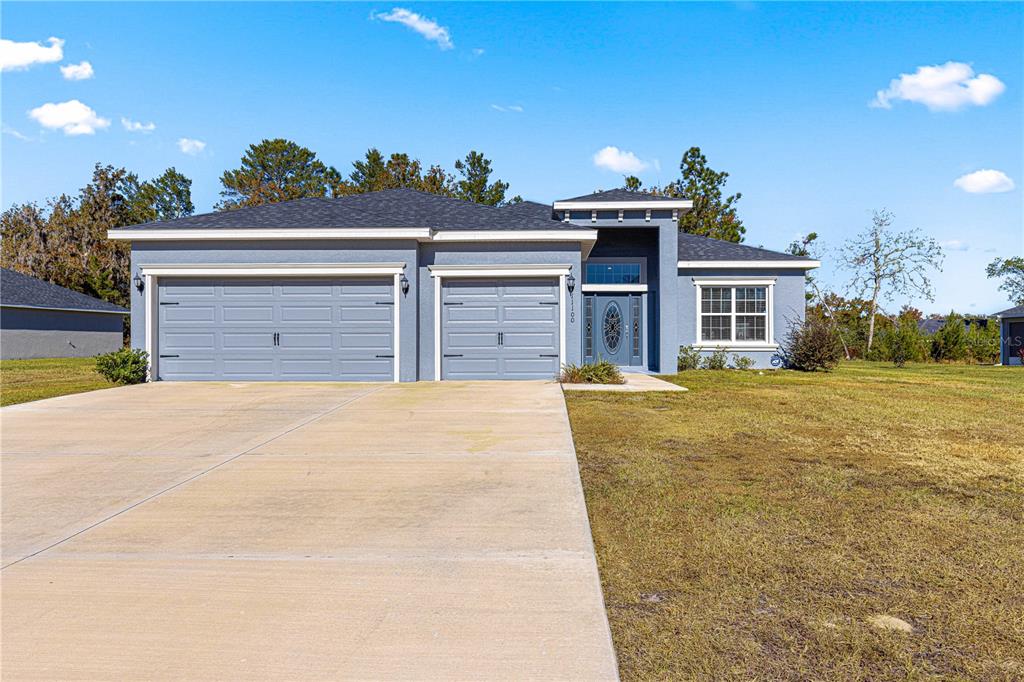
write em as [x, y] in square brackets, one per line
[734, 313]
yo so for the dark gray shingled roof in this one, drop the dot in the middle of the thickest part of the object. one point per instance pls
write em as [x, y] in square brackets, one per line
[1016, 311]
[17, 289]
[402, 208]
[620, 194]
[695, 247]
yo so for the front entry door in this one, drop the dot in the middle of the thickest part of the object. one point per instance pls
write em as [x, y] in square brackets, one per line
[613, 328]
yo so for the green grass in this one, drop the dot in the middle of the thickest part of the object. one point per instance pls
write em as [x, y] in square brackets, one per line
[750, 528]
[25, 380]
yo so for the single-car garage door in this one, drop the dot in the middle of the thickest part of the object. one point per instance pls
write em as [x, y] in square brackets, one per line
[276, 330]
[499, 328]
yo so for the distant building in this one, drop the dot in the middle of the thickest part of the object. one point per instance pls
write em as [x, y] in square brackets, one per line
[43, 320]
[1011, 335]
[934, 324]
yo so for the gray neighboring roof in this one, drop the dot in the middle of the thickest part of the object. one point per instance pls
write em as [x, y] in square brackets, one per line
[694, 247]
[620, 194]
[1016, 311]
[20, 290]
[395, 208]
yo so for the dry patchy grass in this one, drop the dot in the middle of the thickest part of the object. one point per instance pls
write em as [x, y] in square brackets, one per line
[25, 380]
[750, 528]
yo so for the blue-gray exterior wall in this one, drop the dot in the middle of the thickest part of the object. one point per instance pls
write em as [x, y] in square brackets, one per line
[1006, 354]
[496, 253]
[789, 305]
[41, 333]
[290, 252]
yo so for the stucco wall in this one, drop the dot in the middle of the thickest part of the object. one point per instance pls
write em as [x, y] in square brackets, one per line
[31, 333]
[497, 253]
[297, 251]
[789, 305]
[1009, 342]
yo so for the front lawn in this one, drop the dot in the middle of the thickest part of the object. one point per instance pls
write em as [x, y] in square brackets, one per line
[25, 380]
[753, 527]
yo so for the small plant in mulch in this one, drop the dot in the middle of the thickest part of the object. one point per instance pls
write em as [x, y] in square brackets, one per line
[125, 366]
[600, 372]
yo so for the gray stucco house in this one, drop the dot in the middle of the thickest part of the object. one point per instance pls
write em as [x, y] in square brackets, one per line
[1011, 335]
[400, 285]
[42, 320]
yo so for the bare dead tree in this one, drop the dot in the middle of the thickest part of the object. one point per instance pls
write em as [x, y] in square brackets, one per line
[886, 263]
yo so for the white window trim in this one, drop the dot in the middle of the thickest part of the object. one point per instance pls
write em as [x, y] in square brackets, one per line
[153, 273]
[769, 342]
[441, 272]
[750, 264]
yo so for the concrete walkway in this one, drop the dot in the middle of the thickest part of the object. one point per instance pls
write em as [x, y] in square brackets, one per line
[314, 531]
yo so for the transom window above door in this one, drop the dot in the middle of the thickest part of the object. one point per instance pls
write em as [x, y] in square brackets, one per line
[734, 313]
[614, 271]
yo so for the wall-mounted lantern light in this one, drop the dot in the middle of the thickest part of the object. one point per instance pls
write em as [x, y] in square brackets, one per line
[404, 282]
[570, 282]
[139, 283]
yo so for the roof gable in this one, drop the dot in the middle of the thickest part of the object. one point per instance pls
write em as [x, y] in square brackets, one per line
[620, 194]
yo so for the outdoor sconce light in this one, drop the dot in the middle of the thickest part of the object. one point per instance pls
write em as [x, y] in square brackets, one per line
[570, 282]
[139, 283]
[404, 282]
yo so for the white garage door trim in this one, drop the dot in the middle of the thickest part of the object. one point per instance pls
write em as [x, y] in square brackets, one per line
[440, 272]
[152, 273]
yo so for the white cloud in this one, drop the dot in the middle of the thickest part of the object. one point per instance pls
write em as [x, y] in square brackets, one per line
[478, 52]
[428, 28]
[191, 147]
[73, 117]
[509, 107]
[985, 181]
[16, 56]
[618, 160]
[137, 126]
[945, 87]
[77, 72]
[955, 245]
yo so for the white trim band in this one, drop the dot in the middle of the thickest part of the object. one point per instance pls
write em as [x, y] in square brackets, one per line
[751, 264]
[499, 270]
[64, 310]
[598, 205]
[273, 269]
[220, 234]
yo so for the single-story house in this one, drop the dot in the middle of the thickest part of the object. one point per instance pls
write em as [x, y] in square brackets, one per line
[932, 325]
[42, 320]
[401, 285]
[1011, 335]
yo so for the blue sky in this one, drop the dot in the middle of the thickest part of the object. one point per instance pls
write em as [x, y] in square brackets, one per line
[782, 96]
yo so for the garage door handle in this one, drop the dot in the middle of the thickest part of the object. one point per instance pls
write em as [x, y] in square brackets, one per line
[168, 356]
[453, 302]
[547, 302]
[453, 355]
[549, 355]
[384, 302]
[168, 302]
[385, 356]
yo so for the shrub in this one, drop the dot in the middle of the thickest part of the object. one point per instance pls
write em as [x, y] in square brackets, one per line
[812, 345]
[983, 342]
[905, 342]
[689, 358]
[717, 360]
[125, 366]
[742, 362]
[950, 342]
[600, 372]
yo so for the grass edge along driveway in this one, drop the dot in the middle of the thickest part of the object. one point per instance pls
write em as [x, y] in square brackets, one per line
[25, 380]
[754, 527]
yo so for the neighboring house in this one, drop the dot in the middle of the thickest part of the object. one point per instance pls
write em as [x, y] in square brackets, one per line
[1011, 335]
[401, 285]
[43, 320]
[934, 324]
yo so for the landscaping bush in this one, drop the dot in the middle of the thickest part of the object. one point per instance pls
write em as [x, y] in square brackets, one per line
[600, 372]
[742, 362]
[689, 358]
[983, 342]
[905, 343]
[717, 360]
[812, 345]
[125, 366]
[949, 344]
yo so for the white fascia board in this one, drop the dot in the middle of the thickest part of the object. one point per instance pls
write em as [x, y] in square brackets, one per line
[733, 281]
[220, 234]
[634, 288]
[271, 269]
[751, 264]
[515, 236]
[540, 270]
[63, 310]
[622, 205]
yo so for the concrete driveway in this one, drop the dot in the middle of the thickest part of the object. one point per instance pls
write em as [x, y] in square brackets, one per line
[241, 531]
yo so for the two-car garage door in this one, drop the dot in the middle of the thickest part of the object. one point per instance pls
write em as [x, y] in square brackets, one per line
[276, 329]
